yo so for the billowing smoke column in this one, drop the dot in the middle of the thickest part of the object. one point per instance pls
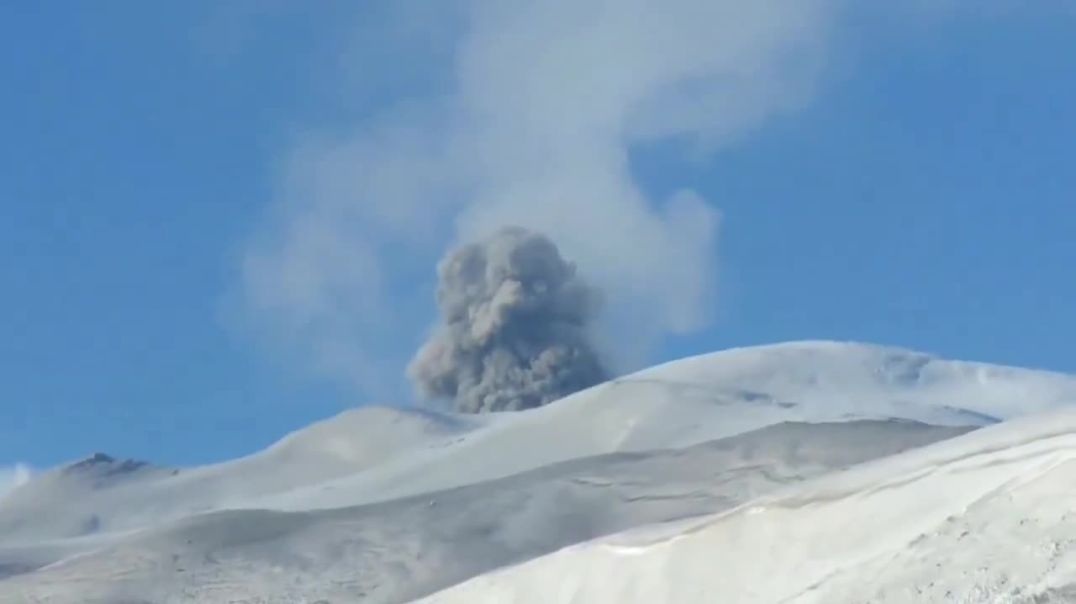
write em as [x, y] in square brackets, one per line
[514, 327]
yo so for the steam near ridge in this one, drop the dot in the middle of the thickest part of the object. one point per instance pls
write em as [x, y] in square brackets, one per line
[514, 327]
[531, 119]
[13, 477]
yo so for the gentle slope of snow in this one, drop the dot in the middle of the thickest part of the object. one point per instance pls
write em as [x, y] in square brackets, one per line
[395, 551]
[986, 517]
[98, 494]
[391, 497]
[379, 454]
[708, 397]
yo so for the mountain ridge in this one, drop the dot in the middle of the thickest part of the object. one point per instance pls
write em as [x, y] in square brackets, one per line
[381, 458]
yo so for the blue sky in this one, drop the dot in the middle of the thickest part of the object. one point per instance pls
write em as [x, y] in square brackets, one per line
[919, 194]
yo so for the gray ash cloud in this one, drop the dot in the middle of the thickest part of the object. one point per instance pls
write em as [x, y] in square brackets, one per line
[514, 327]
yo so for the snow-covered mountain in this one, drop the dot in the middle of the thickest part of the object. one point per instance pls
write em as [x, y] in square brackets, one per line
[389, 505]
[986, 517]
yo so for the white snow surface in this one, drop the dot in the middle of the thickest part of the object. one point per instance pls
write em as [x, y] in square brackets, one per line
[985, 517]
[389, 505]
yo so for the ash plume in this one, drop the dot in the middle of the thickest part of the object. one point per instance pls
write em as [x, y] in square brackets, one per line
[522, 112]
[514, 327]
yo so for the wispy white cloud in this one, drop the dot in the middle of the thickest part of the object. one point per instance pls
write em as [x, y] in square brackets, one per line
[547, 101]
[13, 476]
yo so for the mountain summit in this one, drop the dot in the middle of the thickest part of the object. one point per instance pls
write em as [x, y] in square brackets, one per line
[742, 460]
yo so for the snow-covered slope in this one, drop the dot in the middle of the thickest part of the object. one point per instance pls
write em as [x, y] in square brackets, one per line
[101, 494]
[986, 517]
[708, 397]
[378, 454]
[399, 550]
[375, 491]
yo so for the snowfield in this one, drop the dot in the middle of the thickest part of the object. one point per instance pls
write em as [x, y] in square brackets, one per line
[801, 472]
[986, 517]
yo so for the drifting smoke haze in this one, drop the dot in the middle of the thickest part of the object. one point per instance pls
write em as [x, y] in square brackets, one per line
[13, 477]
[514, 333]
[535, 127]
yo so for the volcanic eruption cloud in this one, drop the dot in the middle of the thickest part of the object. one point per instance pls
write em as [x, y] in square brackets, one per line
[540, 113]
[514, 327]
